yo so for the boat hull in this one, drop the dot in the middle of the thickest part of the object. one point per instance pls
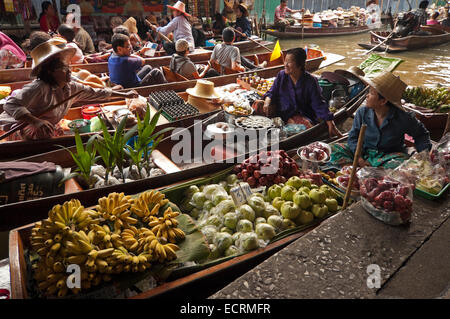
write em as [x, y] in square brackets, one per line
[296, 32]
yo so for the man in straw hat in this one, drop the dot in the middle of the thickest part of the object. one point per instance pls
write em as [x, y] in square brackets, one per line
[53, 85]
[242, 22]
[387, 123]
[180, 27]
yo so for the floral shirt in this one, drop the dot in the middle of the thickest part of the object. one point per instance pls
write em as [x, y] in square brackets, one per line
[8, 60]
[280, 13]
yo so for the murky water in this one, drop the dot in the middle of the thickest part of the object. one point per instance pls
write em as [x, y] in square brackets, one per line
[426, 67]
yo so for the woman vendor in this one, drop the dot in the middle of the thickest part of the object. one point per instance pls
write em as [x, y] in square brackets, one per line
[387, 123]
[53, 85]
[296, 96]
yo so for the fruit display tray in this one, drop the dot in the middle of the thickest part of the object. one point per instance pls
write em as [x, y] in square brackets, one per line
[354, 195]
[430, 196]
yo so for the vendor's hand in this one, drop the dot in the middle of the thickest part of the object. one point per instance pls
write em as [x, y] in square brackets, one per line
[132, 94]
[362, 163]
[333, 130]
[44, 125]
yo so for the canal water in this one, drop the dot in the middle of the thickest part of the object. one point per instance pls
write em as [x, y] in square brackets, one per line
[424, 67]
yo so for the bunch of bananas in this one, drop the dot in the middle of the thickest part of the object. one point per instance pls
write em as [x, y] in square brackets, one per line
[108, 240]
[166, 226]
[432, 98]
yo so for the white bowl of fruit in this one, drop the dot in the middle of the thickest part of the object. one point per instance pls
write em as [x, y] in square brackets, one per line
[317, 152]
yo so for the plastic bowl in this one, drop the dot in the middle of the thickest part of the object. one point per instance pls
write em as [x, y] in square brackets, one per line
[81, 125]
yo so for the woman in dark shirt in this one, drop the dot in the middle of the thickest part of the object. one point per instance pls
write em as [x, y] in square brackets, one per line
[242, 22]
[387, 123]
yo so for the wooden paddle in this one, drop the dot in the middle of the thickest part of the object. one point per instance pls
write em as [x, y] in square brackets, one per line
[385, 40]
[159, 33]
[303, 15]
[245, 36]
[21, 125]
[362, 132]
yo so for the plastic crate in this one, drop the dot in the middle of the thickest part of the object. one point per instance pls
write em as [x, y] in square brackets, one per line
[430, 196]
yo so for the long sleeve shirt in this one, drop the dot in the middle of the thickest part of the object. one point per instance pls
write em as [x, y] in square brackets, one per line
[181, 29]
[389, 137]
[245, 25]
[37, 96]
[305, 98]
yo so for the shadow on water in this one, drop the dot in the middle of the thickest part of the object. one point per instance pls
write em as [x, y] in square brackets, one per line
[425, 67]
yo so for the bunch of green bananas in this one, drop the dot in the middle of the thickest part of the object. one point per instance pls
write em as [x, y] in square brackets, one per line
[108, 240]
[432, 98]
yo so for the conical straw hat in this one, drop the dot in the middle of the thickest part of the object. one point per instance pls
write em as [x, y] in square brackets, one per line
[46, 51]
[389, 86]
[180, 6]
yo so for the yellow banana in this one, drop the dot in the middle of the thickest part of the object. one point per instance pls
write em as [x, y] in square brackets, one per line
[78, 259]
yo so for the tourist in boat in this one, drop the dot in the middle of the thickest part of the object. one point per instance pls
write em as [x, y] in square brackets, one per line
[135, 39]
[11, 55]
[280, 19]
[130, 70]
[53, 85]
[181, 64]
[48, 19]
[421, 12]
[387, 123]
[433, 20]
[296, 96]
[66, 32]
[180, 27]
[242, 24]
[82, 37]
[227, 55]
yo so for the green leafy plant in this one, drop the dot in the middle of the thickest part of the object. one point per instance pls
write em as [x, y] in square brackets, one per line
[84, 158]
[113, 147]
[105, 154]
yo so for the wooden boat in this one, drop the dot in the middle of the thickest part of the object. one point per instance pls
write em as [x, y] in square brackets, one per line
[27, 148]
[199, 55]
[20, 213]
[411, 42]
[296, 32]
[206, 279]
[435, 123]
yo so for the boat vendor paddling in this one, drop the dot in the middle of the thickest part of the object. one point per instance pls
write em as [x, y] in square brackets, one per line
[387, 123]
[280, 19]
[53, 85]
[180, 27]
[295, 95]
[242, 24]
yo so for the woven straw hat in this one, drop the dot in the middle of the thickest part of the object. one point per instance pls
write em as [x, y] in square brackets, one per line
[180, 6]
[46, 51]
[244, 7]
[389, 86]
[352, 72]
[203, 89]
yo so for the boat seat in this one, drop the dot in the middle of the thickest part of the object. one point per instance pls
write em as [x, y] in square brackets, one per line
[172, 76]
[222, 69]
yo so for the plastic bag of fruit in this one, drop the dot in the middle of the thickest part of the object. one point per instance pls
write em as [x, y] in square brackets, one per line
[441, 154]
[385, 198]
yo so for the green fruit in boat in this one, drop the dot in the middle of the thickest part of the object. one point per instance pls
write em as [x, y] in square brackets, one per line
[230, 220]
[214, 252]
[317, 196]
[226, 230]
[287, 192]
[319, 211]
[274, 191]
[275, 221]
[260, 220]
[265, 231]
[231, 251]
[195, 213]
[287, 224]
[270, 210]
[329, 192]
[295, 182]
[277, 202]
[246, 212]
[314, 186]
[290, 210]
[302, 200]
[244, 226]
[306, 182]
[304, 189]
[304, 218]
[332, 204]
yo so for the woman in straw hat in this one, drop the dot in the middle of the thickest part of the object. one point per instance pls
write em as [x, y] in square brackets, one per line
[242, 22]
[180, 27]
[53, 85]
[387, 123]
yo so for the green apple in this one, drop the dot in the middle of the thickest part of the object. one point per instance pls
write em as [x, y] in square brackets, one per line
[302, 199]
[317, 196]
[274, 191]
[295, 182]
[319, 211]
[314, 186]
[276, 221]
[304, 218]
[287, 223]
[329, 192]
[290, 210]
[332, 204]
[306, 182]
[304, 189]
[277, 202]
[287, 192]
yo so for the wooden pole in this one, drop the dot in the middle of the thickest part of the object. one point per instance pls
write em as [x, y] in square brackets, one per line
[244, 35]
[303, 15]
[362, 132]
[159, 33]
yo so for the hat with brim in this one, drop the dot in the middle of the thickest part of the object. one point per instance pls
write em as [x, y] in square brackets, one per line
[353, 73]
[203, 89]
[334, 78]
[46, 51]
[179, 6]
[244, 8]
[389, 86]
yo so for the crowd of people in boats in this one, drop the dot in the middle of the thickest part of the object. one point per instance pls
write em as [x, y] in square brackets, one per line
[295, 95]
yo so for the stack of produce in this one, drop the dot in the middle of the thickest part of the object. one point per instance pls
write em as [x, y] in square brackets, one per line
[283, 167]
[121, 234]
[437, 99]
[231, 229]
